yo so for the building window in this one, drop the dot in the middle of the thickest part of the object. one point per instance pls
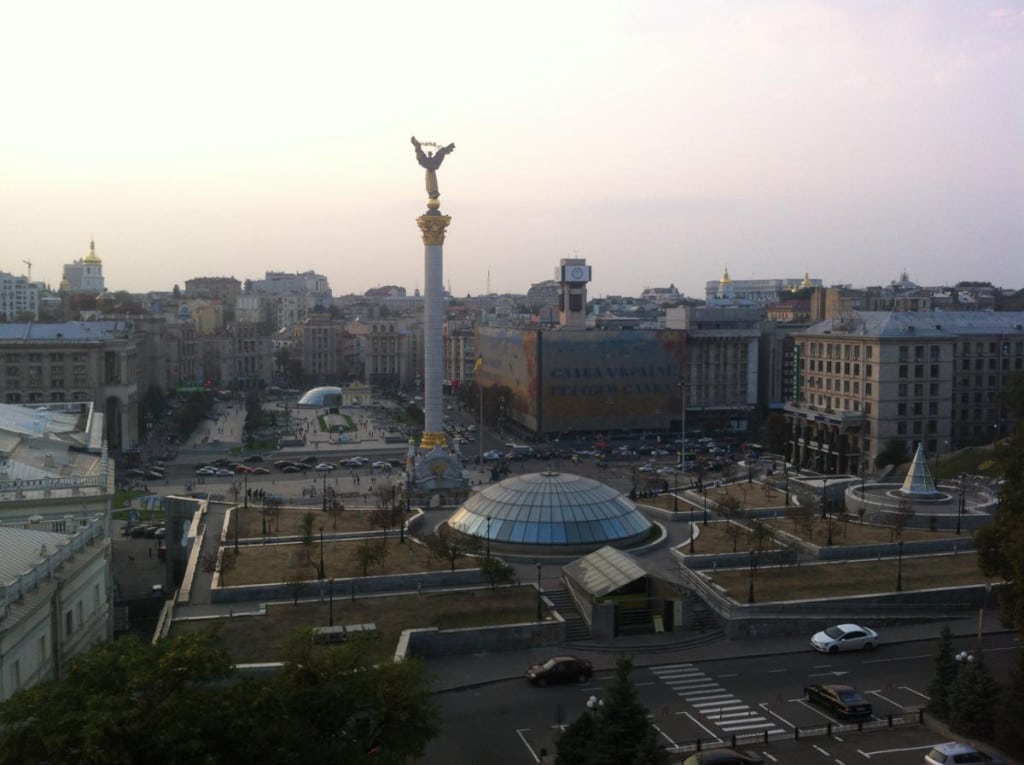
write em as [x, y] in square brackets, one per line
[904, 353]
[933, 389]
[69, 623]
[918, 390]
[868, 351]
[904, 371]
[901, 409]
[901, 390]
[867, 370]
[901, 428]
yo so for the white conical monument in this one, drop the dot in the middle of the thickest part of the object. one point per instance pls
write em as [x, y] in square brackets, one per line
[919, 481]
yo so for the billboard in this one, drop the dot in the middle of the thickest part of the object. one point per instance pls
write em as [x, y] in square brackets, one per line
[581, 380]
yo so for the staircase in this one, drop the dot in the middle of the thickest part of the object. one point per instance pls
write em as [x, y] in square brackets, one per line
[575, 627]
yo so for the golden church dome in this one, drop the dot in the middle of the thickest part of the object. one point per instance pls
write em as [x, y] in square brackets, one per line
[806, 282]
[725, 277]
[92, 257]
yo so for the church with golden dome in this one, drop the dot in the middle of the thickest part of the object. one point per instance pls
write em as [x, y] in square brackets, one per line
[84, 275]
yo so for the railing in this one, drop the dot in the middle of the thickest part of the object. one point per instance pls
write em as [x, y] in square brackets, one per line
[905, 719]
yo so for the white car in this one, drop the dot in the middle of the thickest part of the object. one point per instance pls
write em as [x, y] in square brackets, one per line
[224, 473]
[954, 753]
[207, 470]
[324, 467]
[845, 637]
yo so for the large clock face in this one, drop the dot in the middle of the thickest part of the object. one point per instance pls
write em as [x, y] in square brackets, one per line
[578, 273]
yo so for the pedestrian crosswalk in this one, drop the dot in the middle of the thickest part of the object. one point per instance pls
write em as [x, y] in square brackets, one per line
[712, 701]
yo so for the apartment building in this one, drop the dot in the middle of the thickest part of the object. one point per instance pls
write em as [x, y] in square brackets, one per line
[866, 377]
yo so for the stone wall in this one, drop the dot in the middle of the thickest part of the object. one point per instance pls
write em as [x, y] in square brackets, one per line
[430, 641]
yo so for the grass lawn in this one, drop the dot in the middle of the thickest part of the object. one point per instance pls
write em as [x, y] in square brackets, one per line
[289, 522]
[262, 564]
[752, 495]
[843, 579]
[262, 638]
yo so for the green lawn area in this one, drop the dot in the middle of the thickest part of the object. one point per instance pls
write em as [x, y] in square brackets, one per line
[262, 638]
[818, 580]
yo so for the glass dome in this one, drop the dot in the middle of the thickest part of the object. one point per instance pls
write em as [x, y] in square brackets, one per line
[550, 509]
[325, 395]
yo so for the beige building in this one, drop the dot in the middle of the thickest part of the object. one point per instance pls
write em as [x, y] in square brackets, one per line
[78, 362]
[84, 275]
[924, 378]
[393, 354]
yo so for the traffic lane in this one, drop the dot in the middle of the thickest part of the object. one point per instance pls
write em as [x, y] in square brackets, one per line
[507, 722]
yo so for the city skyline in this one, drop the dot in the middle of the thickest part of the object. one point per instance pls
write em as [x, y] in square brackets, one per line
[661, 142]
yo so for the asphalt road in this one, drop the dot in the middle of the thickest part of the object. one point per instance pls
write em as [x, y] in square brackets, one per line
[510, 722]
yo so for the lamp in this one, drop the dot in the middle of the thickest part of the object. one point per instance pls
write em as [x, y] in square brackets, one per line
[899, 566]
[538, 591]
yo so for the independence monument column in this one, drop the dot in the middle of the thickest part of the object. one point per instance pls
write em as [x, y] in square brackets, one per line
[432, 225]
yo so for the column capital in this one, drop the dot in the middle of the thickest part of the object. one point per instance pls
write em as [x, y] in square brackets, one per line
[433, 227]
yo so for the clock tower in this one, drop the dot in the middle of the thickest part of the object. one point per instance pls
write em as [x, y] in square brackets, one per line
[572, 275]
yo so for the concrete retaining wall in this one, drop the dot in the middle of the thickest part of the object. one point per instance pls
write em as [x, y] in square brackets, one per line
[370, 585]
[431, 641]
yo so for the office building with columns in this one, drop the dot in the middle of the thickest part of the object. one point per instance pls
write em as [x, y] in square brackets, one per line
[866, 377]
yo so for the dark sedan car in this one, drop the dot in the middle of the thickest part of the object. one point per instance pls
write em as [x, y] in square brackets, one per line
[844, 701]
[560, 669]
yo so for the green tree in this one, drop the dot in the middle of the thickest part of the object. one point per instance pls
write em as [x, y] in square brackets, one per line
[941, 688]
[894, 453]
[180, 701]
[1010, 711]
[497, 571]
[121, 702]
[1001, 545]
[973, 702]
[620, 733]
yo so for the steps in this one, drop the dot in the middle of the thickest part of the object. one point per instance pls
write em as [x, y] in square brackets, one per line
[575, 627]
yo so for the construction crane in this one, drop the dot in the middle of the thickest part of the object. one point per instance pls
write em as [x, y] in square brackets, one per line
[29, 264]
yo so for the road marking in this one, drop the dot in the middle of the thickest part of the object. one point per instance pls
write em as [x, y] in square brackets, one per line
[534, 755]
[770, 671]
[731, 674]
[915, 692]
[900, 658]
[672, 743]
[711, 700]
[703, 727]
[885, 698]
[775, 714]
[834, 673]
[869, 755]
[822, 751]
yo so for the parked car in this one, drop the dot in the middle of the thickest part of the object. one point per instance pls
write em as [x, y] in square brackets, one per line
[724, 757]
[242, 469]
[955, 753]
[253, 458]
[224, 473]
[560, 669]
[324, 467]
[844, 701]
[648, 468]
[259, 471]
[845, 637]
[208, 470]
[291, 469]
[381, 465]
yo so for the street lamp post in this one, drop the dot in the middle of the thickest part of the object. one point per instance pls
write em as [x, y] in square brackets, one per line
[236, 512]
[245, 499]
[960, 505]
[899, 566]
[330, 596]
[693, 533]
[488, 537]
[538, 591]
[325, 493]
[320, 571]
[785, 471]
[824, 496]
[704, 493]
[682, 426]
[753, 565]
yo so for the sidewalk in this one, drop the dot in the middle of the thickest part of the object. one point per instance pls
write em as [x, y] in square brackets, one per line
[452, 673]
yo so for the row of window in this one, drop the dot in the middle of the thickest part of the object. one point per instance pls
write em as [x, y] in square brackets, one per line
[14, 358]
[993, 347]
[37, 397]
[837, 350]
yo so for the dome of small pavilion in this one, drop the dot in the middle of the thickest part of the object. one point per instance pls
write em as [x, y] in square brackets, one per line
[323, 396]
[550, 512]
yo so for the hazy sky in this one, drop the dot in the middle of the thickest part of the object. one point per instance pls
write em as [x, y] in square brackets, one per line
[661, 141]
